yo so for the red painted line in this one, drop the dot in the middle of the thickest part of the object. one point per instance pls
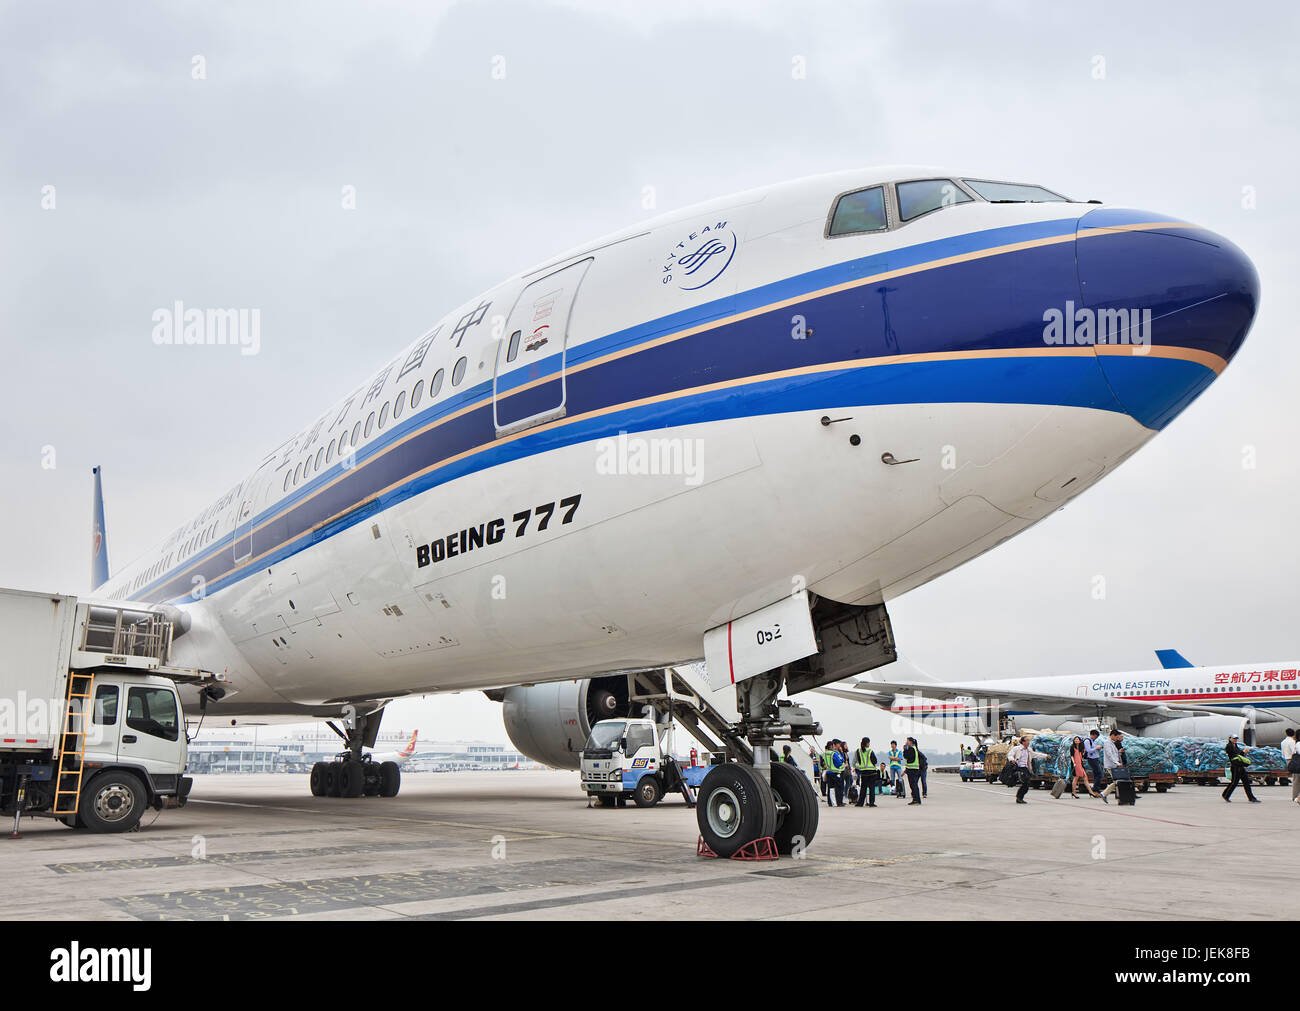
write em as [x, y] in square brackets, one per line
[730, 662]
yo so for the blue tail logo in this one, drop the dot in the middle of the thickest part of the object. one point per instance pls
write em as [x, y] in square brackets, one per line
[98, 542]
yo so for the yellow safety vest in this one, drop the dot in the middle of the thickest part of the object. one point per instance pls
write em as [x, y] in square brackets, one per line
[915, 763]
[863, 760]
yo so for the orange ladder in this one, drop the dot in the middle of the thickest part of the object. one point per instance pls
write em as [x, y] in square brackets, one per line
[72, 742]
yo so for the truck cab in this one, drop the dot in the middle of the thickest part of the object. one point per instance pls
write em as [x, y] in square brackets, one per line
[631, 758]
[136, 725]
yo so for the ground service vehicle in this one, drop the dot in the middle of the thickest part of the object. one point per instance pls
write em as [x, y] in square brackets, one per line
[91, 726]
[633, 758]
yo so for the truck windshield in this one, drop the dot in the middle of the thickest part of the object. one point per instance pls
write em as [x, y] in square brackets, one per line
[605, 736]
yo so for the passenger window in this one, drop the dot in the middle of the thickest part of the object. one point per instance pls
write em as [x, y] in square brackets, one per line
[320, 455]
[863, 211]
[287, 475]
[370, 424]
[152, 711]
[329, 452]
[297, 473]
[306, 467]
[513, 350]
[356, 434]
[926, 195]
[435, 384]
[416, 394]
[106, 705]
[383, 415]
[458, 373]
[399, 405]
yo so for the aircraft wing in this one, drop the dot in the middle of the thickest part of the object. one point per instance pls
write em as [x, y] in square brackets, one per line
[881, 693]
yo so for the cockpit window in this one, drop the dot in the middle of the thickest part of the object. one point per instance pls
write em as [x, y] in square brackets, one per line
[1012, 193]
[863, 211]
[926, 195]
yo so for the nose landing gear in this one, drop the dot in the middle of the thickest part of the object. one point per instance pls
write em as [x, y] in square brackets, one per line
[751, 797]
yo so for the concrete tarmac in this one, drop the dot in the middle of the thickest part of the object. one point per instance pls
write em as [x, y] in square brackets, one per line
[524, 845]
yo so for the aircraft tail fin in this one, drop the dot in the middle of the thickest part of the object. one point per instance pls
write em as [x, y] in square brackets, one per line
[98, 538]
[1171, 659]
[409, 750]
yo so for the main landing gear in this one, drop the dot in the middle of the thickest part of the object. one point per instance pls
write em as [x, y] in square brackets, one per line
[353, 773]
[753, 797]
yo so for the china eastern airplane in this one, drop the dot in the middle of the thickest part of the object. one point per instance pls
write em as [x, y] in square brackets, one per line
[1256, 702]
[734, 431]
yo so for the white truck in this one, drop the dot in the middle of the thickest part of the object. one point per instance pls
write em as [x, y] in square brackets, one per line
[633, 758]
[91, 727]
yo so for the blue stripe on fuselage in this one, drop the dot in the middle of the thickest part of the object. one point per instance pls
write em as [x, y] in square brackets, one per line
[980, 304]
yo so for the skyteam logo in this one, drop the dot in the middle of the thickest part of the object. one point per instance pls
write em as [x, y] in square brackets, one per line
[701, 257]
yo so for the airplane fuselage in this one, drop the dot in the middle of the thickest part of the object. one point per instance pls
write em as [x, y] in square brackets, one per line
[585, 467]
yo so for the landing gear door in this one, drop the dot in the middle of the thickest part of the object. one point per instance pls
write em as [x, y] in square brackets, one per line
[528, 382]
[760, 641]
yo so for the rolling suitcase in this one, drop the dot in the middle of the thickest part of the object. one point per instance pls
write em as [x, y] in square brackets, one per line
[1058, 788]
[1126, 791]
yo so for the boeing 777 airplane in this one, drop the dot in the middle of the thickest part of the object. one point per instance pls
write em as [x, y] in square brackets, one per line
[733, 431]
[1256, 702]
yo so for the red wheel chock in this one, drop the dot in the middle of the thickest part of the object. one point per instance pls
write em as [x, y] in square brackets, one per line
[759, 849]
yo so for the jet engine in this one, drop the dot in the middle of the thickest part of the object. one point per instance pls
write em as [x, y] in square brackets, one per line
[550, 722]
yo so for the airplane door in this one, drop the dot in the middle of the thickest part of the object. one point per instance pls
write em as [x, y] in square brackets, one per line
[243, 540]
[528, 380]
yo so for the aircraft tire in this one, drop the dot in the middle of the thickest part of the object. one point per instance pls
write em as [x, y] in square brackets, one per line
[331, 778]
[390, 779]
[735, 806]
[351, 779]
[799, 824]
[319, 786]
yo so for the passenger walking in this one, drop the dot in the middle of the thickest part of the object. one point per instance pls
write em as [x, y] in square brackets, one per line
[1239, 762]
[864, 760]
[1092, 754]
[1291, 756]
[896, 769]
[1025, 761]
[912, 762]
[1113, 759]
[1078, 755]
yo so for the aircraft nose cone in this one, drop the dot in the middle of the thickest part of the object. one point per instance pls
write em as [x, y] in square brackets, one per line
[1169, 303]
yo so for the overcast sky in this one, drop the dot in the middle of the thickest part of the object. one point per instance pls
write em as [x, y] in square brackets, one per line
[199, 152]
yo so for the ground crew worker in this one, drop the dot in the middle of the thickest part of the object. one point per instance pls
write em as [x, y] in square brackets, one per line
[787, 756]
[1239, 762]
[896, 769]
[831, 775]
[912, 763]
[817, 769]
[864, 760]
